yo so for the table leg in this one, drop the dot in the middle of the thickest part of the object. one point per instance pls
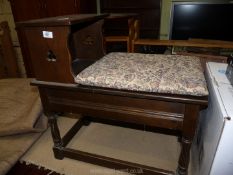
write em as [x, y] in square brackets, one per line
[58, 145]
[189, 126]
[184, 157]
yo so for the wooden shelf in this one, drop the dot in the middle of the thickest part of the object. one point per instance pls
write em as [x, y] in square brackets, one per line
[185, 43]
[116, 38]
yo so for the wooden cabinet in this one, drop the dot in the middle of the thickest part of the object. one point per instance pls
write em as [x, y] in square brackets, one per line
[148, 14]
[59, 8]
[26, 9]
[33, 9]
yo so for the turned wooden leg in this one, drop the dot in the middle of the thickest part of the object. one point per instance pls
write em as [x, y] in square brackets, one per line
[58, 145]
[184, 157]
[189, 126]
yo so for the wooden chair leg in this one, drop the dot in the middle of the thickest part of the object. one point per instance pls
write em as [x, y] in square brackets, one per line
[58, 145]
[132, 47]
[128, 47]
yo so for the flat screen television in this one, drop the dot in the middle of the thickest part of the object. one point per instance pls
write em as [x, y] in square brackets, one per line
[201, 20]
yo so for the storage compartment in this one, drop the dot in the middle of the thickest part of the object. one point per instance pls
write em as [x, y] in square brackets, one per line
[60, 47]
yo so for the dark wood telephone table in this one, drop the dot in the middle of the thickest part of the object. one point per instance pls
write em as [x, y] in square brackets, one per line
[61, 47]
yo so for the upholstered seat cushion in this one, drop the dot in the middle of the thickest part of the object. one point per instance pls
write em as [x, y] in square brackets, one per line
[174, 74]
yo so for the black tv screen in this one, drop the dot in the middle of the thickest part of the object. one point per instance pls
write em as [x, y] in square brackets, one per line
[199, 20]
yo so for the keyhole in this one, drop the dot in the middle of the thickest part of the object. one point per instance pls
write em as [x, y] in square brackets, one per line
[51, 56]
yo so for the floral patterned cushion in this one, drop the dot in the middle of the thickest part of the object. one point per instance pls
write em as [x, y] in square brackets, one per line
[174, 74]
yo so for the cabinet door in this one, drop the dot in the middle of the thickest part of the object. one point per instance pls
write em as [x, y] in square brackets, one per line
[27, 9]
[61, 7]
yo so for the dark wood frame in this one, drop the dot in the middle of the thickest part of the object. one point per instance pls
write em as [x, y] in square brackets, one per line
[59, 93]
[173, 112]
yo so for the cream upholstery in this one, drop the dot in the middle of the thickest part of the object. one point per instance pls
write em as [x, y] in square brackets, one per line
[174, 74]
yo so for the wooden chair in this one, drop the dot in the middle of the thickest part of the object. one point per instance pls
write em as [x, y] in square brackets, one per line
[136, 34]
[123, 38]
